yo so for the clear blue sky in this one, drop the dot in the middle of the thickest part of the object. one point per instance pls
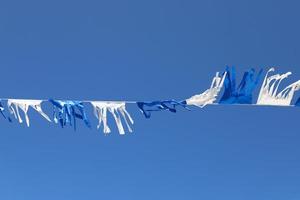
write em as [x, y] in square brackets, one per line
[148, 50]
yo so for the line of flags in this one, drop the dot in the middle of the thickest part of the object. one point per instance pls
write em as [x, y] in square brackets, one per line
[67, 112]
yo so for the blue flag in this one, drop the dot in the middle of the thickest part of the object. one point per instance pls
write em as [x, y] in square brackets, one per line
[298, 102]
[147, 107]
[2, 111]
[243, 93]
[67, 111]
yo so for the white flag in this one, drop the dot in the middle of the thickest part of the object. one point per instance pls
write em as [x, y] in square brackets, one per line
[117, 109]
[15, 104]
[269, 94]
[210, 95]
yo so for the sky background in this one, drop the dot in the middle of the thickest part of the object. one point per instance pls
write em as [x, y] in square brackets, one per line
[148, 50]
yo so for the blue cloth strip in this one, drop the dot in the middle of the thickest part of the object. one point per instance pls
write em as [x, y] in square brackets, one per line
[244, 92]
[147, 107]
[298, 102]
[66, 112]
[2, 111]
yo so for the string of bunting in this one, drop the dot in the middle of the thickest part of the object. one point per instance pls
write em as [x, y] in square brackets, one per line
[67, 112]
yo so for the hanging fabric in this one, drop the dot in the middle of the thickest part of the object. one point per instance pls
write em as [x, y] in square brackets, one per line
[67, 112]
[118, 111]
[64, 112]
[147, 107]
[210, 95]
[243, 93]
[269, 94]
[15, 104]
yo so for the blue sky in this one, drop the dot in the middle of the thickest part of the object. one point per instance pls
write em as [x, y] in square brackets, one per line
[148, 50]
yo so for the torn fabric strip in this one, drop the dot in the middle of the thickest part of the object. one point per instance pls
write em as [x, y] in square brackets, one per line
[243, 93]
[269, 94]
[118, 111]
[147, 107]
[210, 95]
[15, 104]
[66, 112]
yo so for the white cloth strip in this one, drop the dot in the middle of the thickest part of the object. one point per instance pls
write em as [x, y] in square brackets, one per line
[15, 104]
[210, 95]
[117, 109]
[269, 94]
